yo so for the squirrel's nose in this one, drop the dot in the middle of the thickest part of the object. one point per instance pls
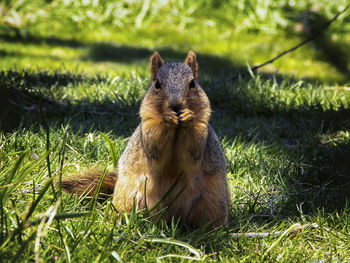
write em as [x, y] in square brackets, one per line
[175, 104]
[176, 108]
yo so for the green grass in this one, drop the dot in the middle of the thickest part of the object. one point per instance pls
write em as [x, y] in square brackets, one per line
[69, 72]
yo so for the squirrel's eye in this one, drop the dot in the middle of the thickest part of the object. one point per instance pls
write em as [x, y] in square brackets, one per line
[157, 85]
[192, 84]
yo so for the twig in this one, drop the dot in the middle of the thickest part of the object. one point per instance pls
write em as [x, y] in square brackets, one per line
[275, 234]
[323, 28]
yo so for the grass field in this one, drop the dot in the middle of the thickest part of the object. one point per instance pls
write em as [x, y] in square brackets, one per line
[71, 70]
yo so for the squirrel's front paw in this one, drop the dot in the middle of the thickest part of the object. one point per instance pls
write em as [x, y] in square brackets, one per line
[186, 116]
[171, 118]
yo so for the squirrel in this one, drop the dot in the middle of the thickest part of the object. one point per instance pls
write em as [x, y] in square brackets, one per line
[173, 159]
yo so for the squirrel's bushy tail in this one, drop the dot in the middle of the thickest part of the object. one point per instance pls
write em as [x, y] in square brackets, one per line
[87, 183]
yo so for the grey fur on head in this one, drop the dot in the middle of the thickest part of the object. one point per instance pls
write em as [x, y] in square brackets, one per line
[174, 76]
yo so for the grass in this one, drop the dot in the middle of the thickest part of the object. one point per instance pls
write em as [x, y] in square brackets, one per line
[285, 131]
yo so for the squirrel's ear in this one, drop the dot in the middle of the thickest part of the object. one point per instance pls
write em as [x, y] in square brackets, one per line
[191, 61]
[156, 63]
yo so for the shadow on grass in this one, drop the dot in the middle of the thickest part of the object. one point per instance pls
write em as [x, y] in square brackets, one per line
[23, 93]
[53, 41]
[329, 50]
[210, 65]
[18, 54]
[324, 184]
[319, 177]
[315, 163]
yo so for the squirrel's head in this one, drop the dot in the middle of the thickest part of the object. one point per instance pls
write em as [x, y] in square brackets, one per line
[174, 82]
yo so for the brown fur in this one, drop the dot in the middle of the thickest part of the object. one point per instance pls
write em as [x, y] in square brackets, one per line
[86, 184]
[174, 141]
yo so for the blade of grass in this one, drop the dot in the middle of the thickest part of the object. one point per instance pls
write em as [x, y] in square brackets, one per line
[16, 167]
[23, 247]
[47, 130]
[177, 256]
[20, 175]
[116, 256]
[43, 227]
[94, 199]
[61, 159]
[111, 148]
[25, 218]
[285, 233]
[191, 249]
[60, 217]
[98, 188]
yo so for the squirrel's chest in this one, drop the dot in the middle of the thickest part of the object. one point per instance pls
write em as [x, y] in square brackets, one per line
[177, 193]
[178, 152]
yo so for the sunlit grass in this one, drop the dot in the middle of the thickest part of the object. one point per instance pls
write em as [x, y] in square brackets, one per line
[285, 132]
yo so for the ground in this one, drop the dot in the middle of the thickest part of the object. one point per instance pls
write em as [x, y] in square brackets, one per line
[71, 71]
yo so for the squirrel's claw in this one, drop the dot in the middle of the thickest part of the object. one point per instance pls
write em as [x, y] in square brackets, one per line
[171, 118]
[183, 117]
[186, 116]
